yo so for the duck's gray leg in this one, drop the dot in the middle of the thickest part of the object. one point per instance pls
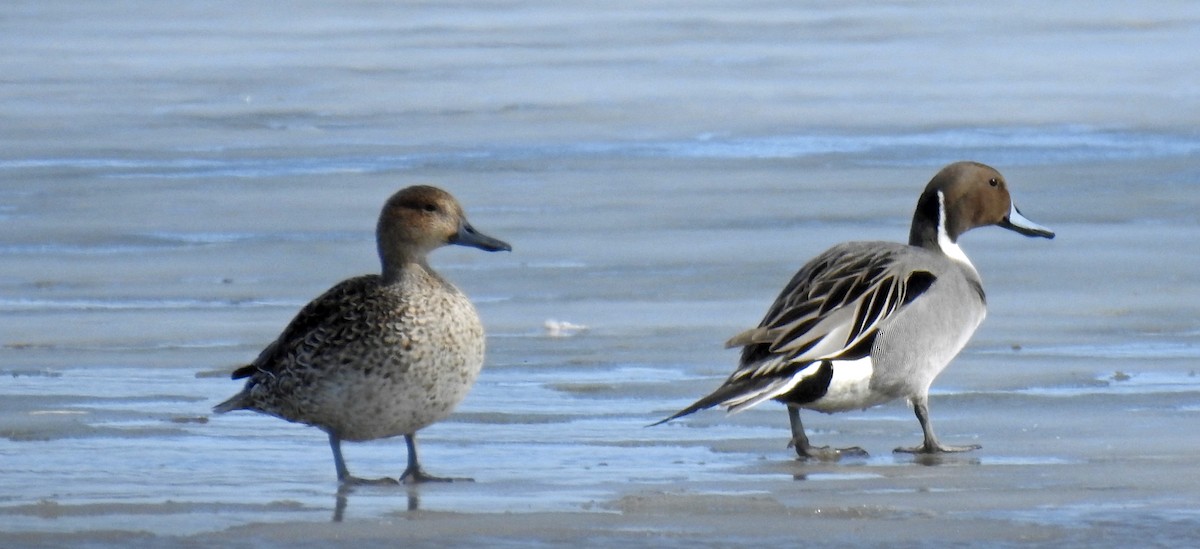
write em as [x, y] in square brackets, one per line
[805, 450]
[343, 474]
[414, 474]
[931, 444]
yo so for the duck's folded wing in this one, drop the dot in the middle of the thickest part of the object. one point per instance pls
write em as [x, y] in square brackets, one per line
[309, 322]
[831, 310]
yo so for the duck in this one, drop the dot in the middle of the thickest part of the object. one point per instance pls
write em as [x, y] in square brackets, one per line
[379, 355]
[869, 322]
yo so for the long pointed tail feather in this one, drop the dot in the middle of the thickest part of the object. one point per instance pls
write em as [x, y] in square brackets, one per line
[733, 395]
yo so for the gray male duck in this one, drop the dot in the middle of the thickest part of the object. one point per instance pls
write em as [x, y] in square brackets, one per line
[865, 323]
[379, 356]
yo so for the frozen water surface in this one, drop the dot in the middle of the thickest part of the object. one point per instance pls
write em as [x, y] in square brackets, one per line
[176, 180]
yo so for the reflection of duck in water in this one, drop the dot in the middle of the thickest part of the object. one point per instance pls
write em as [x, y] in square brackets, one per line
[342, 500]
[378, 356]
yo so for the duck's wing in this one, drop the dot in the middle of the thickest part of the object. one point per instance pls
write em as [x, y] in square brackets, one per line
[312, 323]
[831, 310]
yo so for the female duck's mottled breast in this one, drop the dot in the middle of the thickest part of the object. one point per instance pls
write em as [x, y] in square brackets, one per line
[412, 350]
[445, 338]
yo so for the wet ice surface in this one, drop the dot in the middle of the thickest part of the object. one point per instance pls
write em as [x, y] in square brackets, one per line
[174, 186]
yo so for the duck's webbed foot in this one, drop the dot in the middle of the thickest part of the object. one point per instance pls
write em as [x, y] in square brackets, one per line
[937, 448]
[356, 481]
[931, 445]
[825, 453]
[805, 450]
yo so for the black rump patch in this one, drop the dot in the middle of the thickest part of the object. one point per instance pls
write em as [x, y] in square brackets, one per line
[812, 388]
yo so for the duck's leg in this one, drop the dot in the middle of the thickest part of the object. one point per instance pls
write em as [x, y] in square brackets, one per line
[414, 474]
[343, 474]
[799, 438]
[931, 444]
[805, 450]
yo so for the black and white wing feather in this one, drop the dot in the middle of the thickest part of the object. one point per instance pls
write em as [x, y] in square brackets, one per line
[831, 310]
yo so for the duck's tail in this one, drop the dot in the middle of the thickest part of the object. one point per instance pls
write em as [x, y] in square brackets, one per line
[735, 396]
[722, 394]
[689, 410]
[240, 401]
[236, 402]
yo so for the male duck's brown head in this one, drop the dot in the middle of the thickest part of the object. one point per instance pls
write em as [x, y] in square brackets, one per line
[961, 197]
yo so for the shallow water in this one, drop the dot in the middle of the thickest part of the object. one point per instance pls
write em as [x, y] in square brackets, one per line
[176, 181]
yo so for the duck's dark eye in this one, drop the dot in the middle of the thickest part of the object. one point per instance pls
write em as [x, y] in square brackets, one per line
[994, 182]
[430, 208]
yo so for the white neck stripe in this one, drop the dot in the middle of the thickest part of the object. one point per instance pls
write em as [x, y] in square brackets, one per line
[949, 247]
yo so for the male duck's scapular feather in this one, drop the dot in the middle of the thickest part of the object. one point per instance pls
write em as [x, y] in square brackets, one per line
[831, 310]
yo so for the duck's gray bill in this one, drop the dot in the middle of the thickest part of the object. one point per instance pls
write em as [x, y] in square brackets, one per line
[1019, 223]
[468, 236]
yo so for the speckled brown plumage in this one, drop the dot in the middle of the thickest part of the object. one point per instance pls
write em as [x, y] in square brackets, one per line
[378, 356]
